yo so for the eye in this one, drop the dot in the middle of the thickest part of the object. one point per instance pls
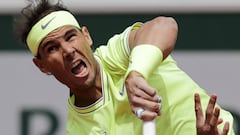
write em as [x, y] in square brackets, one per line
[70, 37]
[52, 48]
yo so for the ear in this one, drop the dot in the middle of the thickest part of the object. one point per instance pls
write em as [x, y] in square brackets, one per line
[40, 65]
[87, 35]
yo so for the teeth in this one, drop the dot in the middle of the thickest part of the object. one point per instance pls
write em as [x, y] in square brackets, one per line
[75, 64]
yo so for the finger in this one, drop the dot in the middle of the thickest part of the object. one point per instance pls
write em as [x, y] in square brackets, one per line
[214, 118]
[210, 108]
[226, 128]
[136, 82]
[198, 110]
[146, 104]
[146, 88]
[148, 115]
[220, 121]
[156, 99]
[141, 93]
[144, 114]
[137, 100]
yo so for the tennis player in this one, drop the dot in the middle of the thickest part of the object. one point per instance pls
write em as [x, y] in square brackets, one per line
[132, 75]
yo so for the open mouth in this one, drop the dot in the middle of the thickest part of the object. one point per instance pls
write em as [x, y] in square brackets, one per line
[79, 67]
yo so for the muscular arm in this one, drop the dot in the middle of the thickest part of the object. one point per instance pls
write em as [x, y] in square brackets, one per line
[162, 33]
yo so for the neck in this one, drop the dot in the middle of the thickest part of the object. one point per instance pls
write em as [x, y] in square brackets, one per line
[88, 98]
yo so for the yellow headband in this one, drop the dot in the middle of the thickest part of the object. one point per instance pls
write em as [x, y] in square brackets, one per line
[46, 25]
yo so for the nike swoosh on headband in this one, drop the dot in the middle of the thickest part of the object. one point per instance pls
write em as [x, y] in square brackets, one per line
[44, 26]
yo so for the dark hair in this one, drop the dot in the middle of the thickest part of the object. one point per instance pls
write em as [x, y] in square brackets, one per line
[32, 13]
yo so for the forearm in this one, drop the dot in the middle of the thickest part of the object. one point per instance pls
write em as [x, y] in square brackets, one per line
[149, 45]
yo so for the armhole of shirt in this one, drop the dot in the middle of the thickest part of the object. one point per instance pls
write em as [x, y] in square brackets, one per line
[135, 26]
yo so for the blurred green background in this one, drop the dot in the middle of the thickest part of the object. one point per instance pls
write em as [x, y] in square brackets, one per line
[217, 31]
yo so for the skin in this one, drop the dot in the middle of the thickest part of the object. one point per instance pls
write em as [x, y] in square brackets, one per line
[209, 125]
[64, 47]
[162, 33]
[60, 51]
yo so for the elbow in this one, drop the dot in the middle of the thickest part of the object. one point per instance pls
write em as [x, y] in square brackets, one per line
[168, 28]
[173, 23]
[168, 23]
[160, 32]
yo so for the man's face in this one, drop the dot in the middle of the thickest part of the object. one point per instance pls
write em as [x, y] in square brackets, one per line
[66, 54]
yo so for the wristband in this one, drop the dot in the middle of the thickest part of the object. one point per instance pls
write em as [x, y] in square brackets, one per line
[144, 59]
[46, 25]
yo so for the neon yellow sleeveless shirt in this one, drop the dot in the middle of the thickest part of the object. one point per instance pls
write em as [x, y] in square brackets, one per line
[111, 115]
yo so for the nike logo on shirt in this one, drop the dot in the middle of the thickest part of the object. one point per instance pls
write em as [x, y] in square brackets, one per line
[122, 91]
[44, 26]
[105, 133]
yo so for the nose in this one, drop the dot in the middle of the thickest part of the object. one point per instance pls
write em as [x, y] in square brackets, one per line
[67, 50]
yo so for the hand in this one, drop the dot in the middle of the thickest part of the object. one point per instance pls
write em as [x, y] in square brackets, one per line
[209, 125]
[141, 95]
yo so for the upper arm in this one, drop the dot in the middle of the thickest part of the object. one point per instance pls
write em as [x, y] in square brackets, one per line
[160, 32]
